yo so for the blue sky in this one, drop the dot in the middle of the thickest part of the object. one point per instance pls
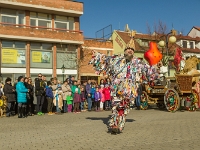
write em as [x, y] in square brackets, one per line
[183, 14]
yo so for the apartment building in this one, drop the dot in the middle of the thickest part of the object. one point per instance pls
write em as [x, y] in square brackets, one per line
[39, 36]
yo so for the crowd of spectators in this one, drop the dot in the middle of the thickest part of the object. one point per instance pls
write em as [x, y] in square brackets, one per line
[54, 97]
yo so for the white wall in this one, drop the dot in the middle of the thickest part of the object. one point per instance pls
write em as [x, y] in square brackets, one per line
[194, 33]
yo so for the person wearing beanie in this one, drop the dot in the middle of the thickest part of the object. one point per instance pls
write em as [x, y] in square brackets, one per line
[9, 92]
[21, 97]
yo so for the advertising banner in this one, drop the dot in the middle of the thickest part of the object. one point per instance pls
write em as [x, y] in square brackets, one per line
[40, 57]
[13, 56]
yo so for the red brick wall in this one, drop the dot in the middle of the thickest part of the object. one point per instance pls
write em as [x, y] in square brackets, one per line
[86, 54]
[30, 32]
[62, 4]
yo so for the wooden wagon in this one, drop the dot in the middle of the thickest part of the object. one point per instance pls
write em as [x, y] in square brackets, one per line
[178, 93]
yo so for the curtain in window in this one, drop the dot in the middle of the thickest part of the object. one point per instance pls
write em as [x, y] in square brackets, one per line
[9, 19]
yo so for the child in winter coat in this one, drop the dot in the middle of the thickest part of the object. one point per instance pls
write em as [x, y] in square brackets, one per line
[92, 91]
[82, 98]
[49, 96]
[77, 100]
[97, 99]
[69, 100]
[102, 97]
[107, 96]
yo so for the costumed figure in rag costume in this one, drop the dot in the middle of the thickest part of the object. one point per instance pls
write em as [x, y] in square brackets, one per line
[124, 71]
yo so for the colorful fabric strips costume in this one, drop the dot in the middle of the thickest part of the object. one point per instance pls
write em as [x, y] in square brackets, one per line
[124, 71]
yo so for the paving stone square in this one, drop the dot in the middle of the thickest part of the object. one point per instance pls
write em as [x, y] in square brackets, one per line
[144, 130]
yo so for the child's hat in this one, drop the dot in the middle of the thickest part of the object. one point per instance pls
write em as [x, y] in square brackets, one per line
[76, 90]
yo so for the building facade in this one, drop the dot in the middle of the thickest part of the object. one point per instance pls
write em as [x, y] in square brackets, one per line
[39, 37]
[189, 44]
[86, 70]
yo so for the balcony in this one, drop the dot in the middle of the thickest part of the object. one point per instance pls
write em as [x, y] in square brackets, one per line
[59, 7]
[37, 33]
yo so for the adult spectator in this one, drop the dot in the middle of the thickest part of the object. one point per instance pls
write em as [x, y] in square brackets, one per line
[89, 96]
[45, 104]
[58, 100]
[40, 93]
[30, 97]
[66, 92]
[21, 97]
[9, 92]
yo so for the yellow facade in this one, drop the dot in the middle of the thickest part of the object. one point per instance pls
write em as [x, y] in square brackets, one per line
[118, 44]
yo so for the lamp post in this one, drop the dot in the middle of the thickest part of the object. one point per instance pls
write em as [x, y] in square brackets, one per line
[169, 38]
[63, 71]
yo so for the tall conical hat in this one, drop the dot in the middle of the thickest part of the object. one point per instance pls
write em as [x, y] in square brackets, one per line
[131, 44]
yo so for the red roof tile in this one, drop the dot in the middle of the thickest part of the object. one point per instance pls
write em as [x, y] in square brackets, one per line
[126, 38]
[198, 28]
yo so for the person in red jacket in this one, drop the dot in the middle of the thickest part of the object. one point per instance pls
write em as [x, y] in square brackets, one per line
[106, 92]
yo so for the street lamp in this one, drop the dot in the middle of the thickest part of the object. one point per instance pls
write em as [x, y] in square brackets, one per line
[63, 71]
[171, 39]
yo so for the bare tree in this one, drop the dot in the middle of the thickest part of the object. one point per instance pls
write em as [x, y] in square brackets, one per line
[160, 32]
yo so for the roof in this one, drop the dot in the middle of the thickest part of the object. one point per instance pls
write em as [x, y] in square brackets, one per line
[126, 38]
[198, 28]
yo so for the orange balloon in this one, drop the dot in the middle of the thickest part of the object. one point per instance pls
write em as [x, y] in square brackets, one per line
[153, 55]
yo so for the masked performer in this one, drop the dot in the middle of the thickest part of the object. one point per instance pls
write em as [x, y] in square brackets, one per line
[124, 71]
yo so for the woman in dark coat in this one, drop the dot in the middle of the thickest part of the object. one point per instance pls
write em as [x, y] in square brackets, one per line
[9, 92]
[30, 97]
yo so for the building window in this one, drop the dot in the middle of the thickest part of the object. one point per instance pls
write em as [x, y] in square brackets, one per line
[12, 16]
[184, 44]
[66, 54]
[192, 45]
[41, 55]
[108, 53]
[61, 47]
[62, 22]
[13, 54]
[40, 20]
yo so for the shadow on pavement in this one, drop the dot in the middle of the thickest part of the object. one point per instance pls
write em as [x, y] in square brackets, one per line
[105, 120]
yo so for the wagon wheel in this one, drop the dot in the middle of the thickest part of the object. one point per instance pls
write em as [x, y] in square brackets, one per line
[171, 100]
[144, 101]
[194, 101]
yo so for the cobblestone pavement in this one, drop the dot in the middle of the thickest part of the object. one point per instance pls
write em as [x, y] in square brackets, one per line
[145, 130]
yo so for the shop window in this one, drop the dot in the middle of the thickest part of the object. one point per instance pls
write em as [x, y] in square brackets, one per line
[68, 59]
[35, 45]
[7, 43]
[61, 47]
[47, 46]
[12, 17]
[41, 55]
[13, 54]
[72, 48]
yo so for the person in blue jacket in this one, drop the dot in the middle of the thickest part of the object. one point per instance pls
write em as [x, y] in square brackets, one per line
[21, 97]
